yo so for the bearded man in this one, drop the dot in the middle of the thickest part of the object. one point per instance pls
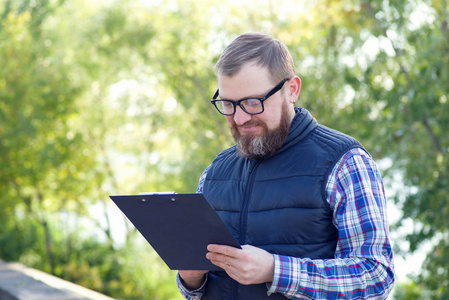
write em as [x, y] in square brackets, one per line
[306, 202]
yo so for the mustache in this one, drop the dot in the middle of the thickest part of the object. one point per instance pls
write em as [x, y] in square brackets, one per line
[250, 123]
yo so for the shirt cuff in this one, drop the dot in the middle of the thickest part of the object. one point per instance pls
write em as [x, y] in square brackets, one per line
[190, 294]
[286, 274]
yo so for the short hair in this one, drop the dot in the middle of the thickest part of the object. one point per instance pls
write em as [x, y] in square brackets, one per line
[261, 49]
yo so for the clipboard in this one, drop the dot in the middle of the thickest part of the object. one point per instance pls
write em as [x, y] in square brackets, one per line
[178, 227]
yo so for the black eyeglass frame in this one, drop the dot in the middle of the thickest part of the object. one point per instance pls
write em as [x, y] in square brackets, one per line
[273, 91]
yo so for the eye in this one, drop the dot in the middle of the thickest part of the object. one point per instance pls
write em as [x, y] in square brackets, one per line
[252, 102]
[227, 104]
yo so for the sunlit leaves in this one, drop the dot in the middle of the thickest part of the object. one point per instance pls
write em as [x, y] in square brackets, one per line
[101, 97]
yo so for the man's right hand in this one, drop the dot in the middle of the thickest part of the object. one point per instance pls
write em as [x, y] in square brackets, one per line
[193, 279]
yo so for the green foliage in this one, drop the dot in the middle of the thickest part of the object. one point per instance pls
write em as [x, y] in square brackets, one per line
[50, 166]
[408, 291]
[436, 274]
[17, 238]
[107, 97]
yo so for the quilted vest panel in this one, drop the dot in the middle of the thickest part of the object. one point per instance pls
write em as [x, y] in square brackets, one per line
[277, 203]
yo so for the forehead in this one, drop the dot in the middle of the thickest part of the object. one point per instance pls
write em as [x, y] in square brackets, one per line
[251, 81]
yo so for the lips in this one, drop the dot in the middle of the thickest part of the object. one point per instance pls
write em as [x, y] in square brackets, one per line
[249, 127]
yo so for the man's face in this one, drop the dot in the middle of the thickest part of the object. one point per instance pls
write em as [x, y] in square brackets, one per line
[257, 135]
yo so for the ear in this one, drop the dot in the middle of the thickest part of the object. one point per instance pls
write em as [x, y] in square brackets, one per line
[293, 89]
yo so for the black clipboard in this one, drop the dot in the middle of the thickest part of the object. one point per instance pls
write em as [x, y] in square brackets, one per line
[178, 227]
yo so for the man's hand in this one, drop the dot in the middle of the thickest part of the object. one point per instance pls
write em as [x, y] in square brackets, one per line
[249, 265]
[193, 279]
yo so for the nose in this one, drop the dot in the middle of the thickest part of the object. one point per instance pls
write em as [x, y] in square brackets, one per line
[241, 117]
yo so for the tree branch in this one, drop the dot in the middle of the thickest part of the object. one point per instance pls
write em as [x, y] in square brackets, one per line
[436, 142]
[444, 27]
[410, 83]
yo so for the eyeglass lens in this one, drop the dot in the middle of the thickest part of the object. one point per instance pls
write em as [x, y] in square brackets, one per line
[252, 106]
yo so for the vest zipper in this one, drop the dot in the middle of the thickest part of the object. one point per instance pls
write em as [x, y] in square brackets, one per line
[244, 217]
[245, 204]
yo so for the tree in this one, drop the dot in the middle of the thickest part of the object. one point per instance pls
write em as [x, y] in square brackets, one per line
[41, 168]
[388, 80]
[111, 97]
[53, 143]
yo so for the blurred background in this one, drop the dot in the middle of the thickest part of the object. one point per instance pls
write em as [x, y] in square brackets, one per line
[101, 97]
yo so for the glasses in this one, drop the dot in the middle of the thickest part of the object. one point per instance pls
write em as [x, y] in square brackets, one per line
[252, 105]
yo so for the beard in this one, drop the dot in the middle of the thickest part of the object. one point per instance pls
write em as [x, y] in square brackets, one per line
[265, 144]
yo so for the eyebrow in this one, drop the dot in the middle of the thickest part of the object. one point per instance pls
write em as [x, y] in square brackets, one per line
[247, 97]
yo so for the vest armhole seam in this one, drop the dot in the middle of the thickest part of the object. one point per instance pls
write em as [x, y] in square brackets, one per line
[329, 171]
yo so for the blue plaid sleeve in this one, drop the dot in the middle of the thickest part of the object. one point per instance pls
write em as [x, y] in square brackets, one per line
[199, 189]
[188, 294]
[362, 267]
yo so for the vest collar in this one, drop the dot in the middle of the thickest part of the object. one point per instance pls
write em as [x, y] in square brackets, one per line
[302, 124]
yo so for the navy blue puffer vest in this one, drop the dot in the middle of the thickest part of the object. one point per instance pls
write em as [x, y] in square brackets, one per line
[277, 203]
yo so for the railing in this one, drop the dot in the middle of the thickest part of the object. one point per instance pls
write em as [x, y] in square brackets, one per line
[18, 282]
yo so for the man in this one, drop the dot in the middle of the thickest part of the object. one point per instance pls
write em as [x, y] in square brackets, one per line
[306, 202]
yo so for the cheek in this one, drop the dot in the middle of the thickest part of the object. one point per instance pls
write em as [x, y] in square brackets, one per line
[273, 112]
[272, 120]
[230, 120]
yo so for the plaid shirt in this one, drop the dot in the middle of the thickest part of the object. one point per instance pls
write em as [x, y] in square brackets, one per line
[362, 267]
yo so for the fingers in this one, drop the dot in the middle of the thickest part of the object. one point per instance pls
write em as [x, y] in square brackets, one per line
[234, 267]
[226, 256]
[247, 265]
[221, 257]
[225, 250]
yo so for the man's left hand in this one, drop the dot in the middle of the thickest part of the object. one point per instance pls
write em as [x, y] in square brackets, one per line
[249, 265]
